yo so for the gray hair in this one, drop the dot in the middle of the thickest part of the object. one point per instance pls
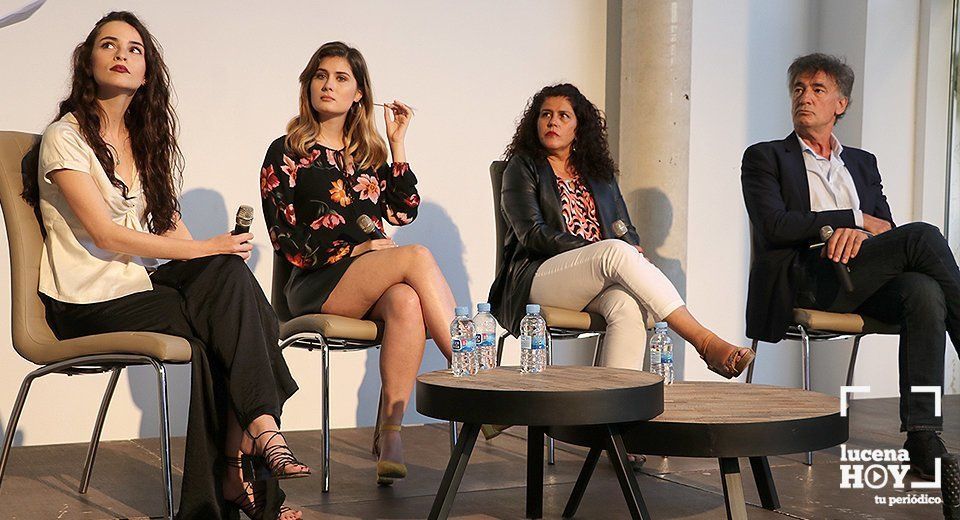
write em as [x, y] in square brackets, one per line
[832, 66]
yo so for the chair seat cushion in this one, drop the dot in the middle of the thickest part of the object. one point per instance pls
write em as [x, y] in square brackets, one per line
[332, 326]
[572, 320]
[169, 349]
[812, 319]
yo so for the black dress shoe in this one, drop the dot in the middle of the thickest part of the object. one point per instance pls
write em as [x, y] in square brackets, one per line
[924, 448]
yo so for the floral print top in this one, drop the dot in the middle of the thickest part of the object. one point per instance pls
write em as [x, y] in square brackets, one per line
[311, 204]
[578, 209]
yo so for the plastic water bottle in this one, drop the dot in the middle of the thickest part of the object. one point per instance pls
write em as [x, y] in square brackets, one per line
[485, 326]
[661, 353]
[533, 341]
[462, 338]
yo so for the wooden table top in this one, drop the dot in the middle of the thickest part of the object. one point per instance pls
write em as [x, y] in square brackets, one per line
[737, 403]
[558, 395]
[712, 419]
[555, 378]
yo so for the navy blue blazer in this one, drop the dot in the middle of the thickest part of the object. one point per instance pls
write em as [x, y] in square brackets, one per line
[777, 195]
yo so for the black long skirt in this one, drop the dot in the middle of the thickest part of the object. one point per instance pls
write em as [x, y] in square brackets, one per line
[218, 306]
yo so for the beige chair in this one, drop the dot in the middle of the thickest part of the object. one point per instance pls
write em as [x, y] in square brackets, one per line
[813, 325]
[35, 342]
[561, 323]
[329, 333]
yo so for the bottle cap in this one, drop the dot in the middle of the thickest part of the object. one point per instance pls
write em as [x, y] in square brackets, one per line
[462, 311]
[483, 307]
[660, 324]
[533, 308]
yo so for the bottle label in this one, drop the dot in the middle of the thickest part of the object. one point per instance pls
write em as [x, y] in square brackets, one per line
[467, 345]
[666, 357]
[655, 357]
[533, 343]
[455, 344]
[485, 340]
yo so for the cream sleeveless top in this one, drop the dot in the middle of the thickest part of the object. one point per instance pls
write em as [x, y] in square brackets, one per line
[72, 268]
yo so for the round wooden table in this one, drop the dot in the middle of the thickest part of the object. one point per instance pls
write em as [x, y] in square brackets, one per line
[726, 421]
[605, 398]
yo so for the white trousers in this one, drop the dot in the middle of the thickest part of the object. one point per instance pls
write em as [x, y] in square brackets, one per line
[615, 280]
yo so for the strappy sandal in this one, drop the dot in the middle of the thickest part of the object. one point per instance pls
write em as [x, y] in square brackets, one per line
[252, 507]
[730, 362]
[278, 456]
[387, 470]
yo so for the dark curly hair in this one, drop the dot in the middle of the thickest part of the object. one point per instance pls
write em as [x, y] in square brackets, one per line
[150, 119]
[590, 155]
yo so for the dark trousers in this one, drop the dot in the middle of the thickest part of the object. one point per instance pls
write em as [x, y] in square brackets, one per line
[906, 276]
[217, 304]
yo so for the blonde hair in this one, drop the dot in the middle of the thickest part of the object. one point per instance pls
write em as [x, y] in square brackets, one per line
[362, 143]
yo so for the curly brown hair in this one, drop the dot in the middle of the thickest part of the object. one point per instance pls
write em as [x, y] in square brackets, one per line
[150, 120]
[590, 155]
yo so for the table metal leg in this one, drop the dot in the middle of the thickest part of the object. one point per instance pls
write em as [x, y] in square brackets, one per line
[733, 489]
[581, 486]
[454, 473]
[765, 485]
[628, 480]
[535, 471]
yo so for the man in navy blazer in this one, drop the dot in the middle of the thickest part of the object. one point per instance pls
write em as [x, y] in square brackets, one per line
[905, 275]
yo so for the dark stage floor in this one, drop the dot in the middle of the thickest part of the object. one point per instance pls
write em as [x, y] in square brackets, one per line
[41, 481]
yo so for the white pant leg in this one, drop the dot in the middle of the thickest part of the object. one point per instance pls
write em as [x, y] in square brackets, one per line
[573, 279]
[625, 341]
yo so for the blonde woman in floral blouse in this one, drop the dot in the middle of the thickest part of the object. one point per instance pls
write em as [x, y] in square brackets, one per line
[329, 169]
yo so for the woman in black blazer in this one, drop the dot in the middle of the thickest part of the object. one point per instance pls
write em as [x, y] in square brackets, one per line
[569, 241]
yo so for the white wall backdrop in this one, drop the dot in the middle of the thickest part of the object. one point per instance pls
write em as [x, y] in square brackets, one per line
[468, 68]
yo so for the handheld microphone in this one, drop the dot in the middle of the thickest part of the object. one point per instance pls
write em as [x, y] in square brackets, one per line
[244, 219]
[367, 226]
[619, 229]
[843, 273]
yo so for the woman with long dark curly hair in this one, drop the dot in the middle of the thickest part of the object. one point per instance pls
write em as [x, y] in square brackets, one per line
[109, 170]
[562, 206]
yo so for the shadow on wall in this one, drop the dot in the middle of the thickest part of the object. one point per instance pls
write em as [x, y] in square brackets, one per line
[436, 230]
[17, 437]
[653, 214]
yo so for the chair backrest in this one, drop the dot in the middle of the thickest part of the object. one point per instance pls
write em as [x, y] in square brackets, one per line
[281, 273]
[31, 334]
[496, 181]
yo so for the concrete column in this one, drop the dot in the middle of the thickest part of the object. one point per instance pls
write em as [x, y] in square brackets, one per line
[650, 103]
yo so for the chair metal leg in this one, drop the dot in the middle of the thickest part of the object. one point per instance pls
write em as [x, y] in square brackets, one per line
[598, 352]
[98, 429]
[453, 435]
[551, 444]
[12, 423]
[805, 361]
[164, 436]
[853, 360]
[503, 338]
[325, 400]
[754, 346]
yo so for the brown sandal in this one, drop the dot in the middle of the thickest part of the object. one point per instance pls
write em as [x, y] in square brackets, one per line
[729, 362]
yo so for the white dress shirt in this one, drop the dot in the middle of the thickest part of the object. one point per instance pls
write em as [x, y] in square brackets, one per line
[72, 268]
[831, 185]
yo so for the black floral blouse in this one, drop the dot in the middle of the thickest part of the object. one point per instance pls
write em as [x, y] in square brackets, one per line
[311, 205]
